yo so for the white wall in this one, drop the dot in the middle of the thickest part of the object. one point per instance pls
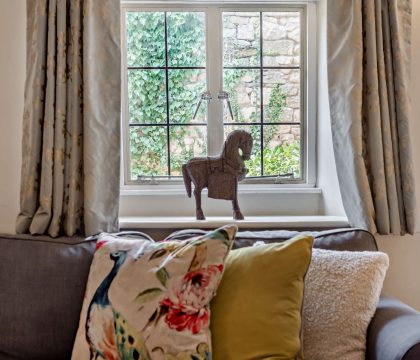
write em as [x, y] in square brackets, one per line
[402, 279]
[12, 75]
[327, 180]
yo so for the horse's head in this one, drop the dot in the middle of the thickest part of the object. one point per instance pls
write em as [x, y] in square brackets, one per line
[245, 144]
[237, 149]
[238, 143]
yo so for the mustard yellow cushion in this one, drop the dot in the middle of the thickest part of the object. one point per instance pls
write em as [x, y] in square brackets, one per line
[256, 313]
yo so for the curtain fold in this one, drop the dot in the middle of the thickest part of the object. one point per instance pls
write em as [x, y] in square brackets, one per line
[71, 124]
[368, 76]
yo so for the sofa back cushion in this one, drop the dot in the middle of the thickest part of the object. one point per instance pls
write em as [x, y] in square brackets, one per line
[336, 239]
[42, 283]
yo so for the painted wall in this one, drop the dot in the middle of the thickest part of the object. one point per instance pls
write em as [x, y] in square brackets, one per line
[12, 75]
[404, 252]
[330, 203]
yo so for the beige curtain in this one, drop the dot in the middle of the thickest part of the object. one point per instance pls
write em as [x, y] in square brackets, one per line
[71, 125]
[368, 70]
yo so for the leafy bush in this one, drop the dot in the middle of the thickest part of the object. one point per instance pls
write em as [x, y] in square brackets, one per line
[280, 160]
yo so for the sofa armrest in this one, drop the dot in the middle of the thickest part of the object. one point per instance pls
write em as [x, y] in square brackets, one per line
[394, 333]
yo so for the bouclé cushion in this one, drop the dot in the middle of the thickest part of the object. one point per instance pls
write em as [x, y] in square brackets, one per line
[256, 313]
[148, 300]
[342, 290]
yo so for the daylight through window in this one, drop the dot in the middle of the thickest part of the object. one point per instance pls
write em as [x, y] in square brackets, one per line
[257, 60]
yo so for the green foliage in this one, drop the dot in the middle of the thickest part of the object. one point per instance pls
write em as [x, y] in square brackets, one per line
[276, 103]
[279, 160]
[184, 86]
[147, 93]
[148, 151]
[147, 98]
[187, 142]
[186, 39]
[231, 79]
[144, 48]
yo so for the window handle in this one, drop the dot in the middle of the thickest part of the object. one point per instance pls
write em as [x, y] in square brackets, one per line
[224, 95]
[279, 179]
[205, 96]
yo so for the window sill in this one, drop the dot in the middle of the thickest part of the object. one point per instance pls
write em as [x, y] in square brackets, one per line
[256, 201]
[264, 222]
[162, 190]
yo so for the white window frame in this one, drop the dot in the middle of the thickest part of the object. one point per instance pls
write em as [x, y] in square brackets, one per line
[214, 66]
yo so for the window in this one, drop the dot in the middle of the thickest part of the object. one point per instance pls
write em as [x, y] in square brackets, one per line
[192, 74]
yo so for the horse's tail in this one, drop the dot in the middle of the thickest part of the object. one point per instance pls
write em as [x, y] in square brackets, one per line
[187, 179]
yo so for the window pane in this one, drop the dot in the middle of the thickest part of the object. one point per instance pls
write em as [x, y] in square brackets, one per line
[186, 39]
[148, 149]
[145, 38]
[254, 164]
[241, 38]
[281, 38]
[186, 142]
[162, 120]
[281, 94]
[282, 150]
[147, 96]
[244, 89]
[185, 86]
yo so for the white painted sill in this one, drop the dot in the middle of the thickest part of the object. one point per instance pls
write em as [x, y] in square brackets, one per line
[263, 222]
[264, 207]
[179, 190]
[173, 205]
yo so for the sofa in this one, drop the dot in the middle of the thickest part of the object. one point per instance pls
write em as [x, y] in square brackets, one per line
[42, 284]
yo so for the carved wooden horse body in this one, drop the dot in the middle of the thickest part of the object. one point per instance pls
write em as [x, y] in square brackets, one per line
[220, 174]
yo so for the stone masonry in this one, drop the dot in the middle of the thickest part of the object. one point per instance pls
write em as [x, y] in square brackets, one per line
[281, 47]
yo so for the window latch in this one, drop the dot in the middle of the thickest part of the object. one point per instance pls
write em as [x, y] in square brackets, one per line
[147, 180]
[224, 95]
[205, 96]
[281, 177]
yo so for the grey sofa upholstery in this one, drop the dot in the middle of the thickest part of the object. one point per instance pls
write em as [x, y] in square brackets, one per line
[42, 283]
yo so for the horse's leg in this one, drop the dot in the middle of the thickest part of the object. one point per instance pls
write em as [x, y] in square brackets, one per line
[237, 215]
[198, 211]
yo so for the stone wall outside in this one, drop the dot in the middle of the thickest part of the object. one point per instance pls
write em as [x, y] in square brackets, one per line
[281, 47]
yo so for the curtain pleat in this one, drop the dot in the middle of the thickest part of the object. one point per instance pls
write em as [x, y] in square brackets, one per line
[368, 62]
[71, 138]
[102, 56]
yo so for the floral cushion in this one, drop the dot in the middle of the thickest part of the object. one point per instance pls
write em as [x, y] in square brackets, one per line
[150, 300]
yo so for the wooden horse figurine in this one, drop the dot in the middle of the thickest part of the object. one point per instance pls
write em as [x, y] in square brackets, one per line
[220, 174]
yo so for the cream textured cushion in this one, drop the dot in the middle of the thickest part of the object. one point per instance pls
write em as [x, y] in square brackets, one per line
[342, 290]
